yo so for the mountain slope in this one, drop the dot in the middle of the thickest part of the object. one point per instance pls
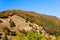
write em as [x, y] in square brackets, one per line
[14, 25]
[50, 24]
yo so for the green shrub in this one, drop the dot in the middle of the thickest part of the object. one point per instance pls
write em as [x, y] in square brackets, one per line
[20, 36]
[31, 35]
[35, 36]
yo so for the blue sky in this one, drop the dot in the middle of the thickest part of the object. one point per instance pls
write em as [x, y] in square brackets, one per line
[49, 7]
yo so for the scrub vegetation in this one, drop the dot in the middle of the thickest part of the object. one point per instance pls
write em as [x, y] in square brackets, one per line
[51, 24]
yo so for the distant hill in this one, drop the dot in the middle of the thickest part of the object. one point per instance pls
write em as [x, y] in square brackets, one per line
[50, 24]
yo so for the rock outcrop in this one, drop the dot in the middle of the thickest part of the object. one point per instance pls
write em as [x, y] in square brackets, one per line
[21, 24]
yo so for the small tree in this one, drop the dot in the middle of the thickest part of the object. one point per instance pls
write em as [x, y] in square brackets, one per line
[12, 24]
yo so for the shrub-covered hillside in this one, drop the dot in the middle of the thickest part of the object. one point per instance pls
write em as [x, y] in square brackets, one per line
[50, 23]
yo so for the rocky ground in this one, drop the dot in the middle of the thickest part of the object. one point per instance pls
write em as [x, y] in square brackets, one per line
[21, 24]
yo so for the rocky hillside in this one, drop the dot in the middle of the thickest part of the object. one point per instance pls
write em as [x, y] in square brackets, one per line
[25, 25]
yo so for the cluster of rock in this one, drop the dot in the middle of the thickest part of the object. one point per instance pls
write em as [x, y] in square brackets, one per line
[21, 24]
